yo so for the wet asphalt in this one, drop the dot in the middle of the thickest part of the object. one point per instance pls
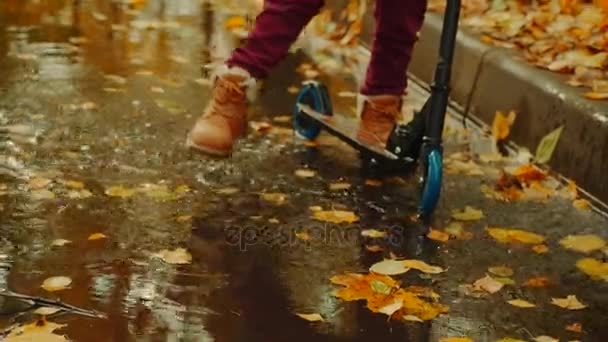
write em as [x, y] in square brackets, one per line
[250, 274]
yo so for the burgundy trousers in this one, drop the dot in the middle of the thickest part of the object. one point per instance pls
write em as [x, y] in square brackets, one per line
[281, 21]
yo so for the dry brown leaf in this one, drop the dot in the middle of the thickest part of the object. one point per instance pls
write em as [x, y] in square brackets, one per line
[335, 216]
[540, 249]
[438, 235]
[515, 236]
[56, 283]
[314, 317]
[467, 214]
[585, 243]
[575, 327]
[570, 303]
[594, 268]
[179, 256]
[520, 303]
[374, 248]
[501, 271]
[373, 233]
[488, 284]
[305, 173]
[389, 267]
[39, 331]
[537, 282]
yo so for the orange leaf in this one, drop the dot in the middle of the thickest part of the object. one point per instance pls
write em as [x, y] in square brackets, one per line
[501, 126]
[438, 235]
[537, 282]
[596, 96]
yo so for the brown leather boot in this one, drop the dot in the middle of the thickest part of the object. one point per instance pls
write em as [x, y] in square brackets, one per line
[379, 116]
[225, 118]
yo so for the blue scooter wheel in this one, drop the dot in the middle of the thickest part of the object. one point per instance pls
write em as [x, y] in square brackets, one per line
[432, 181]
[316, 96]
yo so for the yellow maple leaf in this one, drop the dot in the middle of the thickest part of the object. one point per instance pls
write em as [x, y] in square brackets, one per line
[594, 268]
[584, 243]
[515, 236]
[335, 216]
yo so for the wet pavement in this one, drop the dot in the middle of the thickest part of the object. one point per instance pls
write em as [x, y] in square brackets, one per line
[112, 109]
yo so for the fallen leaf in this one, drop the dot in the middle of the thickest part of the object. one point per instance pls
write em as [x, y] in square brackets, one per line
[373, 233]
[120, 191]
[529, 173]
[358, 286]
[488, 284]
[515, 236]
[422, 266]
[575, 327]
[38, 183]
[274, 198]
[438, 235]
[304, 236]
[505, 280]
[373, 182]
[179, 256]
[570, 303]
[60, 242]
[305, 173]
[97, 236]
[501, 271]
[455, 339]
[411, 318]
[456, 229]
[339, 186]
[594, 268]
[540, 249]
[43, 194]
[520, 303]
[73, 184]
[260, 126]
[315, 208]
[596, 96]
[46, 311]
[273, 221]
[537, 282]
[547, 145]
[56, 283]
[467, 214]
[390, 309]
[39, 331]
[389, 267]
[380, 287]
[335, 216]
[586, 243]
[501, 126]
[374, 248]
[315, 317]
[227, 191]
[545, 338]
[581, 204]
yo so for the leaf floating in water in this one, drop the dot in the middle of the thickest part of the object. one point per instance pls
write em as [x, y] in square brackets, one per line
[373, 183]
[274, 198]
[575, 327]
[570, 303]
[60, 242]
[422, 266]
[537, 282]
[227, 191]
[438, 235]
[467, 214]
[179, 256]
[56, 283]
[515, 236]
[315, 317]
[594, 268]
[120, 191]
[335, 216]
[520, 303]
[586, 243]
[39, 331]
[79, 194]
[540, 249]
[339, 186]
[391, 308]
[488, 284]
[305, 173]
[97, 236]
[373, 233]
[389, 267]
[501, 271]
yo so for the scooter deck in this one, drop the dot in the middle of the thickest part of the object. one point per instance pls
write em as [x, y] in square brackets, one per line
[345, 129]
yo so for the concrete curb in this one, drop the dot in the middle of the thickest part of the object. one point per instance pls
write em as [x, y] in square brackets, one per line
[498, 79]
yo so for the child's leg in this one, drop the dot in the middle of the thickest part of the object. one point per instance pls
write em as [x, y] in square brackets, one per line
[397, 23]
[276, 28]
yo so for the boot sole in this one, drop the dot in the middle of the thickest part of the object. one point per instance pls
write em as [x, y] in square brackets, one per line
[206, 150]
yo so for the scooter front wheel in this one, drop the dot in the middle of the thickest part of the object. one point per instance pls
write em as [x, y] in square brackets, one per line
[316, 96]
[432, 177]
